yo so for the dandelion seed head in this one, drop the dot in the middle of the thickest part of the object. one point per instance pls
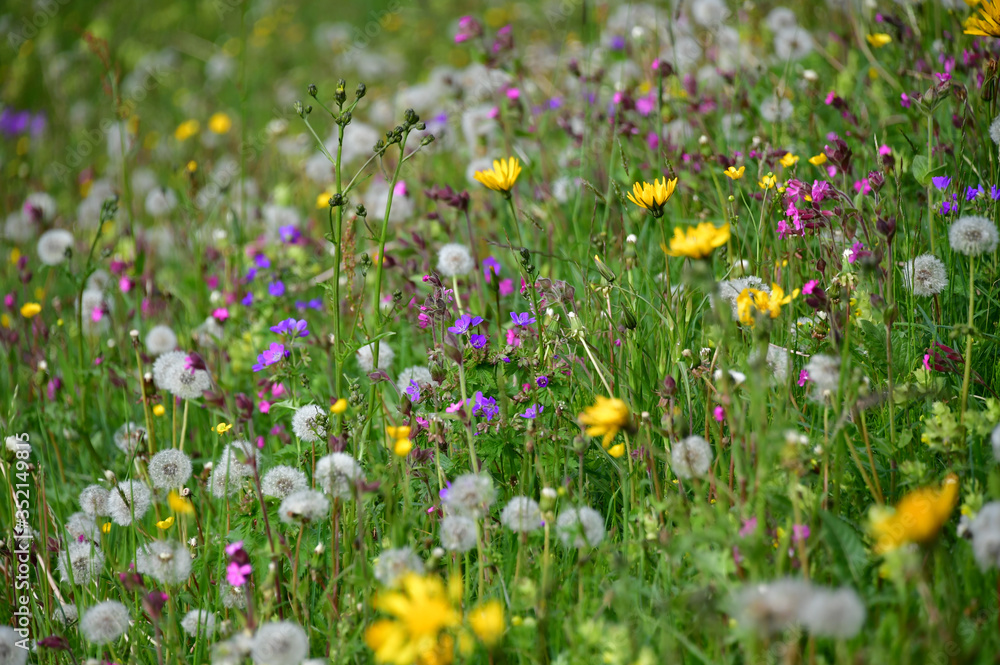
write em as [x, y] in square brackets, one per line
[160, 339]
[310, 423]
[995, 130]
[985, 531]
[231, 596]
[417, 374]
[834, 613]
[691, 457]
[129, 436]
[824, 375]
[131, 496]
[470, 494]
[169, 469]
[772, 607]
[393, 564]
[454, 260]
[337, 474]
[580, 527]
[199, 622]
[80, 563]
[458, 533]
[973, 235]
[283, 480]
[104, 622]
[167, 562]
[66, 614]
[93, 500]
[52, 246]
[236, 463]
[10, 652]
[304, 507]
[366, 357]
[521, 515]
[82, 525]
[279, 643]
[925, 275]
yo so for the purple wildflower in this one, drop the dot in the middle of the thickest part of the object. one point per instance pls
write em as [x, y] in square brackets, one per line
[465, 323]
[413, 391]
[276, 288]
[542, 382]
[477, 341]
[273, 354]
[291, 327]
[532, 411]
[972, 192]
[941, 182]
[523, 319]
[289, 233]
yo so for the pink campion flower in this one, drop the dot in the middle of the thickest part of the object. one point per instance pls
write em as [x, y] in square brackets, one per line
[423, 321]
[399, 189]
[238, 574]
[513, 339]
[233, 548]
[884, 150]
[783, 230]
[862, 186]
[820, 190]
[856, 249]
[212, 282]
[264, 406]
[800, 532]
[803, 377]
[455, 408]
[646, 104]
[506, 287]
[720, 414]
[830, 96]
[809, 287]
[220, 314]
[831, 171]
[125, 284]
[97, 314]
[653, 140]
[513, 94]
[795, 190]
[494, 113]
[927, 364]
[8, 300]
[423, 422]
[749, 526]
[260, 443]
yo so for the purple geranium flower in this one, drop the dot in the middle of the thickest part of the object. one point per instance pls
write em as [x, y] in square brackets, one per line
[289, 233]
[315, 303]
[532, 411]
[273, 354]
[542, 381]
[490, 267]
[465, 323]
[413, 391]
[995, 192]
[972, 192]
[941, 182]
[522, 319]
[276, 288]
[291, 327]
[477, 341]
[261, 261]
[247, 300]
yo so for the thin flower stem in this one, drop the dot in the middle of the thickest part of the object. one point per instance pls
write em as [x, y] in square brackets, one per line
[968, 340]
[530, 286]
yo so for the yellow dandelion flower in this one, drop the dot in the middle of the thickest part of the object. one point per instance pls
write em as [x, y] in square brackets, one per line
[879, 39]
[401, 432]
[422, 613]
[159, 410]
[818, 160]
[163, 525]
[15, 256]
[402, 447]
[502, 176]
[186, 130]
[753, 302]
[653, 197]
[220, 123]
[605, 418]
[734, 173]
[339, 406]
[30, 310]
[487, 622]
[106, 527]
[768, 181]
[789, 160]
[917, 518]
[222, 428]
[697, 242]
[192, 166]
[987, 23]
[179, 504]
[617, 450]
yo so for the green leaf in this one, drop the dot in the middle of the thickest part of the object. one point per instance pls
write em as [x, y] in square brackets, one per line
[846, 539]
[920, 168]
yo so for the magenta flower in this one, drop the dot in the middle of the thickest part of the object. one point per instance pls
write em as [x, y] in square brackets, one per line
[237, 574]
[803, 377]
[273, 354]
[810, 286]
[749, 526]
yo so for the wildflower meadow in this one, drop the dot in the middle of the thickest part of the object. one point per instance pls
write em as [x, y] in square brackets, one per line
[558, 332]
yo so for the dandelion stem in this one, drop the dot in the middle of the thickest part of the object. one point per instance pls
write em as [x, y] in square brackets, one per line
[968, 339]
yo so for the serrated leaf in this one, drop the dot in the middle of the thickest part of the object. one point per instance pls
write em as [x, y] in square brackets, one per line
[845, 539]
